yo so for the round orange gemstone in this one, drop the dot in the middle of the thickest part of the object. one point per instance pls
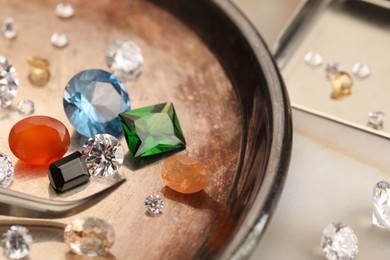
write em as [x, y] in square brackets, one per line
[39, 140]
[184, 174]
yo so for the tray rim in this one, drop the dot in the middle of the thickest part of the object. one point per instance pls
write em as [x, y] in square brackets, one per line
[259, 214]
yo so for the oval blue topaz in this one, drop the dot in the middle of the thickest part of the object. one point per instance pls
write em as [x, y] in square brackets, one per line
[92, 101]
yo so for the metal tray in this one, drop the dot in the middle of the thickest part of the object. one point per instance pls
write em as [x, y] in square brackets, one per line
[208, 60]
[347, 32]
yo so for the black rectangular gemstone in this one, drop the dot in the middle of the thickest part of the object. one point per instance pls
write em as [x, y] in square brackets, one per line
[68, 172]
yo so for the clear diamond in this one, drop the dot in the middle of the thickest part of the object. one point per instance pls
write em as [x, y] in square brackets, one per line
[104, 154]
[361, 70]
[8, 28]
[64, 10]
[331, 68]
[89, 236]
[59, 40]
[16, 242]
[313, 59]
[339, 242]
[381, 199]
[26, 107]
[375, 120]
[6, 170]
[154, 204]
[9, 82]
[124, 58]
[92, 101]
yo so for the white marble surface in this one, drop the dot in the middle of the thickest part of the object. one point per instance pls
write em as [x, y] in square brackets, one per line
[332, 173]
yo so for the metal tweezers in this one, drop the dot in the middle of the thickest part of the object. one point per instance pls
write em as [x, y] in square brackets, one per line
[17, 204]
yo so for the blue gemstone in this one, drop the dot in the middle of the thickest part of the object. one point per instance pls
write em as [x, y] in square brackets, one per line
[92, 101]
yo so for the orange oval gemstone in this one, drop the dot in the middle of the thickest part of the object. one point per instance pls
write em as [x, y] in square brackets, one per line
[39, 140]
[184, 174]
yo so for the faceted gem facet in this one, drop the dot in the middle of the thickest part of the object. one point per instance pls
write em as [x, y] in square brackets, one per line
[342, 84]
[361, 70]
[59, 40]
[92, 101]
[381, 200]
[39, 140]
[8, 28]
[39, 71]
[375, 120]
[152, 130]
[154, 204]
[339, 242]
[104, 155]
[6, 170]
[184, 174]
[313, 59]
[124, 58]
[9, 83]
[16, 242]
[64, 10]
[89, 236]
[26, 107]
[68, 172]
[331, 68]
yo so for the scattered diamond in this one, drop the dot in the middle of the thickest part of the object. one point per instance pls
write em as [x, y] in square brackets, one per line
[381, 199]
[8, 28]
[154, 204]
[26, 107]
[92, 101]
[375, 120]
[342, 84]
[9, 82]
[124, 58]
[184, 174]
[64, 10]
[6, 170]
[104, 155]
[39, 71]
[16, 242]
[89, 236]
[313, 59]
[339, 242]
[331, 68]
[59, 40]
[361, 70]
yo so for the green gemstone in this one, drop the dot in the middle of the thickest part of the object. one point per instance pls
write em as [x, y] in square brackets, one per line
[152, 131]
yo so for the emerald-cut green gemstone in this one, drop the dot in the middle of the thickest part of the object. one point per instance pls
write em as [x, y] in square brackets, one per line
[152, 131]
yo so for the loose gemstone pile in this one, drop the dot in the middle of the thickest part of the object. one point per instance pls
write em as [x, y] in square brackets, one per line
[97, 104]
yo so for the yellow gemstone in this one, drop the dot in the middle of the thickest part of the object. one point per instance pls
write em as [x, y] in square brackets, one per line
[39, 71]
[184, 174]
[342, 84]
